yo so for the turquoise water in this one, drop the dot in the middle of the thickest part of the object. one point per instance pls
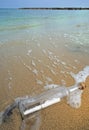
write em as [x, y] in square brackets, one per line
[23, 24]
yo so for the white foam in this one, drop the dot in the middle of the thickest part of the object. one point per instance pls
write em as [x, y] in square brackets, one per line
[50, 86]
[39, 61]
[33, 63]
[74, 67]
[9, 79]
[74, 99]
[35, 72]
[53, 65]
[81, 76]
[52, 71]
[62, 72]
[50, 38]
[9, 85]
[28, 67]
[39, 82]
[63, 63]
[50, 53]
[57, 60]
[76, 61]
[29, 52]
[47, 66]
[38, 44]
[65, 35]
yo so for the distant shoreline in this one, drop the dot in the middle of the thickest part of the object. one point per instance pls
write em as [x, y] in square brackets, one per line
[54, 8]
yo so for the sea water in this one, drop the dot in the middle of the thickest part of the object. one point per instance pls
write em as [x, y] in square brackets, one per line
[17, 23]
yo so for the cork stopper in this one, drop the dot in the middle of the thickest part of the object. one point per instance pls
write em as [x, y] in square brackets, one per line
[82, 85]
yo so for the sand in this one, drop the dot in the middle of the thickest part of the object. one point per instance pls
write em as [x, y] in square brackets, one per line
[61, 116]
[26, 67]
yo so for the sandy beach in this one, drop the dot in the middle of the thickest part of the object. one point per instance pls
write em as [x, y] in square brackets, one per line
[39, 48]
[27, 68]
[61, 116]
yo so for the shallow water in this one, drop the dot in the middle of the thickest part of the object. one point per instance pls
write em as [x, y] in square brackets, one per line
[39, 47]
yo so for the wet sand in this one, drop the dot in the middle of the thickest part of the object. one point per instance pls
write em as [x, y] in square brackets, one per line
[61, 116]
[27, 66]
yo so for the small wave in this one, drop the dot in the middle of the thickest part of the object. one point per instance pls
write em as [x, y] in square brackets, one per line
[22, 27]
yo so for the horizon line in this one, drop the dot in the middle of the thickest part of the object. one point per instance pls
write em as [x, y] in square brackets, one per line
[57, 8]
[44, 7]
